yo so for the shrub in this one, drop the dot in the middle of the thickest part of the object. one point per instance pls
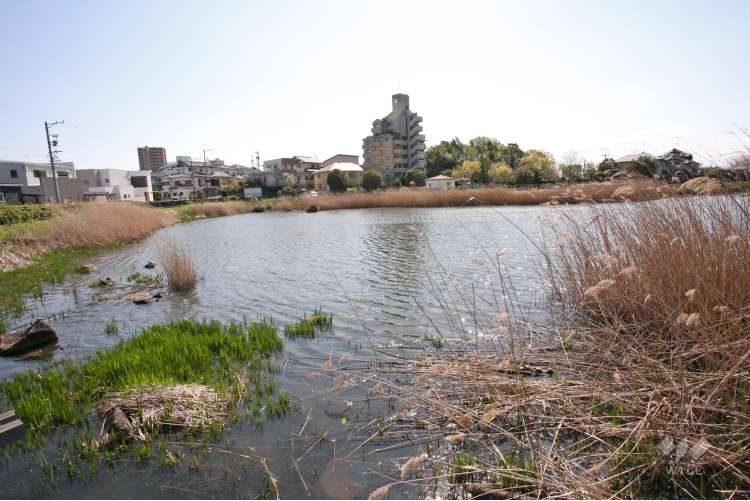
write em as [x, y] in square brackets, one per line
[416, 176]
[312, 208]
[178, 265]
[337, 181]
[287, 191]
[371, 180]
[10, 214]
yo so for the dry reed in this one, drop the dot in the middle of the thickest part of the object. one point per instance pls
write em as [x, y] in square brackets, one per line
[187, 406]
[650, 389]
[99, 224]
[85, 224]
[580, 193]
[218, 209]
[178, 265]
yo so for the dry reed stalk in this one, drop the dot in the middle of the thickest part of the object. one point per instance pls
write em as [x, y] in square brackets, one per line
[580, 193]
[190, 406]
[639, 404]
[178, 265]
[99, 224]
[217, 209]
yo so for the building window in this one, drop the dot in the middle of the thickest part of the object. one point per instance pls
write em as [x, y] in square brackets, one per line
[138, 181]
[13, 173]
[62, 174]
[40, 173]
[86, 182]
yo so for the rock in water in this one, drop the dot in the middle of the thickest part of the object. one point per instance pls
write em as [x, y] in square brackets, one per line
[22, 340]
[139, 298]
[150, 265]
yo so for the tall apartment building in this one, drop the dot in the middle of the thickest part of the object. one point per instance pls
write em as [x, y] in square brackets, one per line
[397, 144]
[151, 157]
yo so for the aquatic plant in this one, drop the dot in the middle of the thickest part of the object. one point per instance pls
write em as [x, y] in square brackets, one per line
[182, 352]
[309, 327]
[111, 327]
[178, 265]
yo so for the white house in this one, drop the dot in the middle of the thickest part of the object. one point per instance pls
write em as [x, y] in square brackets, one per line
[117, 184]
[32, 181]
[351, 171]
[441, 183]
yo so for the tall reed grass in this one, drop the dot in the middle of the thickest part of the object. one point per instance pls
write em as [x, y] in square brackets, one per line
[100, 224]
[580, 193]
[641, 390]
[178, 265]
[214, 209]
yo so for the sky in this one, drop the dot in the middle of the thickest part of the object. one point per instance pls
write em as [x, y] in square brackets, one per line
[308, 77]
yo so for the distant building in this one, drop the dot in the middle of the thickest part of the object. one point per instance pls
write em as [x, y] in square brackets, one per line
[289, 171]
[441, 183]
[32, 182]
[116, 184]
[341, 157]
[352, 171]
[397, 144]
[151, 157]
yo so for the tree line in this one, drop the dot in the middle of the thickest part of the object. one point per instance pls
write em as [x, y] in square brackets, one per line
[486, 160]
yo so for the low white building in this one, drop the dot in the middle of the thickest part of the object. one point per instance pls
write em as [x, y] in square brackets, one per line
[24, 182]
[441, 183]
[117, 184]
[351, 171]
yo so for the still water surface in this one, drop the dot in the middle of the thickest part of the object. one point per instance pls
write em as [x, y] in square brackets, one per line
[390, 277]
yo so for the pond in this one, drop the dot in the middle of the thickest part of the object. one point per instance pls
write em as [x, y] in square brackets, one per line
[394, 280]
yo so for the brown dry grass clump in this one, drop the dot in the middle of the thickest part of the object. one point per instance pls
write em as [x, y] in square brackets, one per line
[580, 193]
[99, 224]
[85, 224]
[678, 269]
[217, 209]
[178, 265]
[649, 392]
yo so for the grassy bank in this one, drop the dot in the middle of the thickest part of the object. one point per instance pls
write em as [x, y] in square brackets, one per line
[231, 359]
[643, 390]
[36, 252]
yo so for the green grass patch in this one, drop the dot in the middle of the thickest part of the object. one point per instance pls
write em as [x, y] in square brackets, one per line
[309, 327]
[10, 214]
[144, 279]
[50, 267]
[111, 327]
[210, 353]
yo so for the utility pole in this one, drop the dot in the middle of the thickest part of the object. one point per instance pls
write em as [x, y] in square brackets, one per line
[52, 156]
[257, 159]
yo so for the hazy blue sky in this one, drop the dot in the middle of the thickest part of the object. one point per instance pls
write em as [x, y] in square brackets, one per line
[308, 78]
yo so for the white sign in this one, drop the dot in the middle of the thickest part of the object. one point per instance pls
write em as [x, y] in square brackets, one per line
[253, 192]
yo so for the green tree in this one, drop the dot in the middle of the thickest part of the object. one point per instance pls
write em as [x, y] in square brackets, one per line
[336, 181]
[371, 180]
[538, 165]
[416, 176]
[444, 156]
[501, 173]
[469, 169]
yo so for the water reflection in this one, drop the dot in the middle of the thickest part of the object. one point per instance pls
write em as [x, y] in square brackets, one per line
[369, 268]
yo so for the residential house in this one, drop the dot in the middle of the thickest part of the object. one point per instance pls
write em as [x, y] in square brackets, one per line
[117, 184]
[352, 171]
[25, 182]
[288, 171]
[440, 183]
